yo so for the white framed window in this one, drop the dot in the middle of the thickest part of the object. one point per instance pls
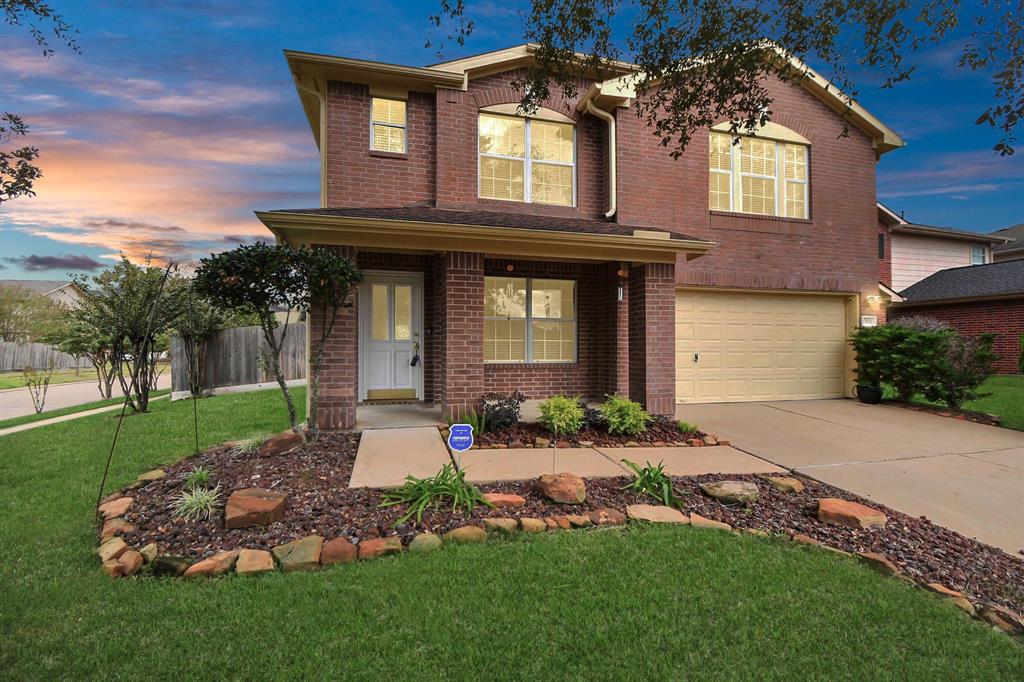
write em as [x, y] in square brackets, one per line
[388, 125]
[758, 176]
[979, 254]
[529, 320]
[529, 160]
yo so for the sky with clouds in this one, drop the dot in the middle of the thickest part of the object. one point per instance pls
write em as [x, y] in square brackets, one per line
[178, 120]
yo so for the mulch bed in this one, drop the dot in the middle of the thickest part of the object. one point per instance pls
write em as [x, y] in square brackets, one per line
[659, 433]
[316, 476]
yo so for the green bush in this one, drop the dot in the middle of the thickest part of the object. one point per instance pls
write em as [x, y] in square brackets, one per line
[967, 363]
[562, 415]
[625, 416]
[422, 493]
[686, 427]
[902, 356]
[199, 477]
[502, 410]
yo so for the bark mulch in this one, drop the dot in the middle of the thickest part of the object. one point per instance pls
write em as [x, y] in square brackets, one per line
[316, 476]
[660, 432]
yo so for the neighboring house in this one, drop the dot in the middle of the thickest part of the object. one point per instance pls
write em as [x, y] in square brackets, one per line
[974, 300]
[1013, 249]
[566, 252]
[62, 292]
[909, 252]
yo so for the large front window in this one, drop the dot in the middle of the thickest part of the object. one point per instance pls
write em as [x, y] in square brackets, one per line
[529, 320]
[757, 176]
[527, 160]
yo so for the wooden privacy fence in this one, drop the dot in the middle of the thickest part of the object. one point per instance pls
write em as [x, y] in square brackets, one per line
[18, 356]
[238, 357]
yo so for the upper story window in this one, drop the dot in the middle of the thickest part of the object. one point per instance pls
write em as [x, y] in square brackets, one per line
[387, 125]
[758, 175]
[979, 254]
[526, 159]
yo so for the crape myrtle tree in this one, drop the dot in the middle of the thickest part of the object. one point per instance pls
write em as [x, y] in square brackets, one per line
[262, 279]
[75, 336]
[137, 305]
[331, 281]
[703, 61]
[259, 279]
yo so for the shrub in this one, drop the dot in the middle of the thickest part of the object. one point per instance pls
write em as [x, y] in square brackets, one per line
[625, 416]
[198, 478]
[471, 417]
[652, 480]
[502, 410]
[422, 493]
[197, 504]
[968, 362]
[1020, 360]
[920, 323]
[562, 415]
[686, 427]
[593, 418]
[902, 356]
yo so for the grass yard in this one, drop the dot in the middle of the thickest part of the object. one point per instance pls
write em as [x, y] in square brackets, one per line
[643, 603]
[60, 376]
[1007, 400]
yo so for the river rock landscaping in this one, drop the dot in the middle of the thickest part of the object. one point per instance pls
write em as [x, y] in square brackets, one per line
[293, 510]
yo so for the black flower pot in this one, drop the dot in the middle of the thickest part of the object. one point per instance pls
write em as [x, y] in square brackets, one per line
[871, 395]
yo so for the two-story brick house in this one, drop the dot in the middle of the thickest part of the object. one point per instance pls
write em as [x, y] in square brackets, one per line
[567, 252]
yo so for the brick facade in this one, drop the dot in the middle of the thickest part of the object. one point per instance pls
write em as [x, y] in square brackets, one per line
[1005, 318]
[624, 346]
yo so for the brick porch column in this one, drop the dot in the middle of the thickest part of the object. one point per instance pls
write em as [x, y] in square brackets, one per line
[652, 337]
[339, 376]
[461, 332]
[615, 374]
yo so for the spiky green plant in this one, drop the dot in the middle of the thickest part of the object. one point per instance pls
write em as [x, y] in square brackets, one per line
[446, 485]
[199, 477]
[653, 481]
[197, 504]
[686, 427]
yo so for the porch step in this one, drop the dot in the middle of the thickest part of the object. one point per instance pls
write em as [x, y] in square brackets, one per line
[386, 456]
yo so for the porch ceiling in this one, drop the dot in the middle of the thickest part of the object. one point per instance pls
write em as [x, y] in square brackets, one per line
[491, 233]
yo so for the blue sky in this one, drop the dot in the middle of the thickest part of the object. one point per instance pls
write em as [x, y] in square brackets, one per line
[175, 123]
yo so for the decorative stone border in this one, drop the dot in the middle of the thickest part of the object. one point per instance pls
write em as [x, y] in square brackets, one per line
[313, 552]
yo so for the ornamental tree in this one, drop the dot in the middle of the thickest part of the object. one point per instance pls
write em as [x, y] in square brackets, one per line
[260, 279]
[331, 280]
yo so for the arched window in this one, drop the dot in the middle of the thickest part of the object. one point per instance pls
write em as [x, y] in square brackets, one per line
[763, 175]
[527, 159]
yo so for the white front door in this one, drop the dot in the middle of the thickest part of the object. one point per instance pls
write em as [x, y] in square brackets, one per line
[390, 332]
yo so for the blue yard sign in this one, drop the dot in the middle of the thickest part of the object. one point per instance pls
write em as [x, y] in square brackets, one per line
[460, 437]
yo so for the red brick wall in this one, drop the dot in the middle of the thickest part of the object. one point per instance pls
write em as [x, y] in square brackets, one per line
[357, 176]
[885, 264]
[338, 389]
[1004, 318]
[652, 337]
[835, 250]
[461, 332]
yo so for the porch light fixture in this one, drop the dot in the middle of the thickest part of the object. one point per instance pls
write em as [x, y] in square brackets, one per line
[621, 294]
[509, 267]
[621, 273]
[873, 299]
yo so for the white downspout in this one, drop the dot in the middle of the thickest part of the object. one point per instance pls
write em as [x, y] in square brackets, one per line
[610, 120]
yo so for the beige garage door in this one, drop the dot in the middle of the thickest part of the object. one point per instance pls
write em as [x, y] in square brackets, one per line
[736, 347]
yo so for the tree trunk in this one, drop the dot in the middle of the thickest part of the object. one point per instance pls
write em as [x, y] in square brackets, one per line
[267, 326]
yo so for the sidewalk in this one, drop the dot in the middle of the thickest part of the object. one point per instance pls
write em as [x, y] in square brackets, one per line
[17, 402]
[66, 417]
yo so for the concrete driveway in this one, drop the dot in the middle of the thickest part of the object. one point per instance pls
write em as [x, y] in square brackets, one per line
[967, 477]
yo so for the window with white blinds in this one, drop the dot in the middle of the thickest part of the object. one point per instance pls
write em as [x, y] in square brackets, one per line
[757, 176]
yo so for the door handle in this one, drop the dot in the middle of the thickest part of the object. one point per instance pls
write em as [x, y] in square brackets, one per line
[696, 357]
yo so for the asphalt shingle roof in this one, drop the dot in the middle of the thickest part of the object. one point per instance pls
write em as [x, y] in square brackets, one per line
[970, 281]
[522, 221]
[1015, 233]
[36, 286]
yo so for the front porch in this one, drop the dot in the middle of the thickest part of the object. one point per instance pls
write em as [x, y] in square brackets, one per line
[450, 312]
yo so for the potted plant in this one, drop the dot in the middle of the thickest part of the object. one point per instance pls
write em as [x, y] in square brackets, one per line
[869, 345]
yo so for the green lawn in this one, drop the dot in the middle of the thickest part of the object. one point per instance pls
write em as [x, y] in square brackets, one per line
[60, 376]
[85, 407]
[642, 603]
[1007, 400]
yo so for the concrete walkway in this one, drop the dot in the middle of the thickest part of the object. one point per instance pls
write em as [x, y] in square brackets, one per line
[965, 476]
[386, 456]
